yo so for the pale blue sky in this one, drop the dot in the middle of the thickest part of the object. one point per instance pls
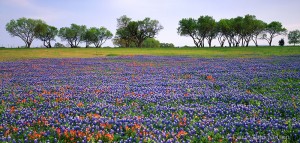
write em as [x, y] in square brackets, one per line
[61, 13]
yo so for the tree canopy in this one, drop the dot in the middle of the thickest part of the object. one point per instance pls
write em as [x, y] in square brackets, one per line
[294, 37]
[46, 33]
[238, 31]
[136, 32]
[151, 43]
[24, 28]
[97, 36]
[73, 35]
[272, 30]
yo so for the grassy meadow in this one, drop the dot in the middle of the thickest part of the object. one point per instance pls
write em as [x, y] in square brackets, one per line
[233, 52]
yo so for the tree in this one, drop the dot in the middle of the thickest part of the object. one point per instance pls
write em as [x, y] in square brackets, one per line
[207, 29]
[73, 35]
[238, 30]
[151, 43]
[88, 36]
[59, 45]
[249, 29]
[226, 30]
[97, 36]
[258, 27]
[102, 35]
[272, 30]
[281, 42]
[167, 45]
[136, 31]
[188, 27]
[46, 33]
[220, 36]
[123, 37]
[145, 29]
[24, 28]
[294, 37]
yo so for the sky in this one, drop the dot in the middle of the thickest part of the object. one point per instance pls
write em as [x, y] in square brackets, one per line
[97, 13]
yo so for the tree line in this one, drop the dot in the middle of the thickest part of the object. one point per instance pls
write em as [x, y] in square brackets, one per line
[30, 29]
[239, 31]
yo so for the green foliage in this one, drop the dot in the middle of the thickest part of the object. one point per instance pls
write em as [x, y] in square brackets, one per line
[206, 27]
[24, 28]
[151, 43]
[73, 35]
[226, 30]
[123, 37]
[272, 30]
[59, 45]
[258, 27]
[236, 31]
[281, 42]
[136, 32]
[167, 45]
[96, 36]
[46, 33]
[188, 27]
[294, 37]
[240, 30]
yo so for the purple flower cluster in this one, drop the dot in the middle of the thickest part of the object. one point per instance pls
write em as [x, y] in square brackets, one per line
[150, 99]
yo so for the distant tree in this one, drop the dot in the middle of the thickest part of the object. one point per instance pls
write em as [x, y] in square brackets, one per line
[136, 31]
[258, 27]
[102, 34]
[151, 43]
[24, 28]
[281, 42]
[46, 33]
[238, 31]
[118, 42]
[207, 29]
[73, 35]
[272, 30]
[220, 36]
[248, 29]
[122, 37]
[167, 45]
[225, 29]
[97, 36]
[59, 45]
[294, 37]
[238, 28]
[147, 28]
[188, 27]
[88, 36]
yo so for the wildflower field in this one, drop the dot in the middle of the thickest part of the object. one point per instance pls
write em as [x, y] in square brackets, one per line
[150, 99]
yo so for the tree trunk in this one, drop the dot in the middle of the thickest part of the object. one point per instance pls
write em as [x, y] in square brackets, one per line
[27, 44]
[209, 42]
[44, 43]
[270, 43]
[140, 43]
[196, 43]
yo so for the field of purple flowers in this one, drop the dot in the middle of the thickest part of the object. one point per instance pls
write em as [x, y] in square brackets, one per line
[150, 99]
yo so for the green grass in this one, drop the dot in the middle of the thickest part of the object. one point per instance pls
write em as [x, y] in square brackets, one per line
[235, 52]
